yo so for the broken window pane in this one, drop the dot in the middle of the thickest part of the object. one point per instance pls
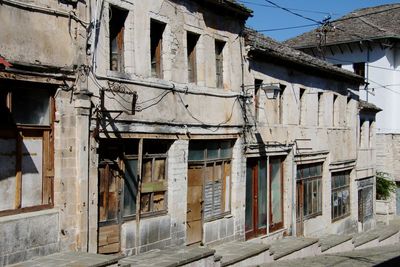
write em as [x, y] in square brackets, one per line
[147, 170]
[159, 169]
[145, 202]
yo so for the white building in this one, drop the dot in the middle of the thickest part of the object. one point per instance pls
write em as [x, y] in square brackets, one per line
[366, 41]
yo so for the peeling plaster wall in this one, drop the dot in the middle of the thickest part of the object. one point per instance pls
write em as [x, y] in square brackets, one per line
[199, 110]
[42, 39]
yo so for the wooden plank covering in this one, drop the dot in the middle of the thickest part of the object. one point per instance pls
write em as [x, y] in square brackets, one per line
[194, 205]
[109, 239]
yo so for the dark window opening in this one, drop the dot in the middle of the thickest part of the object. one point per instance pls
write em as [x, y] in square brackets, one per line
[319, 113]
[156, 37]
[359, 68]
[301, 105]
[117, 27]
[219, 63]
[192, 39]
[257, 87]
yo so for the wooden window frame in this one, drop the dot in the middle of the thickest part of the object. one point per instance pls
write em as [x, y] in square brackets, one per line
[341, 189]
[219, 63]
[157, 30]
[362, 204]
[219, 160]
[191, 54]
[155, 186]
[46, 133]
[310, 180]
[143, 188]
[117, 28]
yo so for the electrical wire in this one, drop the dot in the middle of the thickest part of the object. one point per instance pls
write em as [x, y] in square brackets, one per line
[294, 13]
[288, 28]
[294, 9]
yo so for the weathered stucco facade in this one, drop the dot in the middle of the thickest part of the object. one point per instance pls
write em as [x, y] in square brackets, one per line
[154, 122]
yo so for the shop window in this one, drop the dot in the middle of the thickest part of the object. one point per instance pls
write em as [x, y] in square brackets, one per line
[340, 202]
[192, 40]
[156, 42]
[213, 161]
[219, 63]
[123, 158]
[117, 28]
[309, 177]
[26, 149]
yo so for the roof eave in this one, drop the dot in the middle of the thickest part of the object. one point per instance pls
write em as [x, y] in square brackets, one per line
[347, 42]
[352, 78]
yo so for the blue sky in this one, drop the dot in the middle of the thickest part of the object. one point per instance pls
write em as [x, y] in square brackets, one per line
[270, 18]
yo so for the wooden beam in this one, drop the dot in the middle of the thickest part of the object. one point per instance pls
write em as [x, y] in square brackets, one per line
[349, 47]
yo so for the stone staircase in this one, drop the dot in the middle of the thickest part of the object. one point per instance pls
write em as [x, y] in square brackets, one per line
[258, 252]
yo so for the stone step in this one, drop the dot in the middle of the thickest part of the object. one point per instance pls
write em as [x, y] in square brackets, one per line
[336, 243]
[65, 259]
[379, 256]
[243, 253]
[174, 256]
[381, 235]
[294, 247]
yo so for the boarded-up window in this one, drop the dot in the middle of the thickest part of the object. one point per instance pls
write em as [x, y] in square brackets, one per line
[124, 154]
[214, 159]
[156, 40]
[117, 28]
[340, 202]
[365, 204]
[311, 177]
[192, 40]
[26, 149]
[219, 63]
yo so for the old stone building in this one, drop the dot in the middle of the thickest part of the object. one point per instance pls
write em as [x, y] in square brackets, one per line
[366, 41]
[134, 125]
[302, 175]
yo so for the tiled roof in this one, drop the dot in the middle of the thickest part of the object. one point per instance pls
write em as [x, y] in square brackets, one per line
[231, 5]
[260, 43]
[362, 24]
[364, 105]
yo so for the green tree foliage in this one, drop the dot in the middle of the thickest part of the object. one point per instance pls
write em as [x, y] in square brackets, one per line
[384, 186]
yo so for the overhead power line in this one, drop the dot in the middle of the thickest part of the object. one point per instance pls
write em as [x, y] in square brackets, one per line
[288, 28]
[294, 9]
[294, 13]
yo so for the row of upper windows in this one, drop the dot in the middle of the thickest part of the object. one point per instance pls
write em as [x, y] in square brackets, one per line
[274, 107]
[117, 27]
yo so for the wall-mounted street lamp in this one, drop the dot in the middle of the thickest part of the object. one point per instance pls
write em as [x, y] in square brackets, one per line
[271, 90]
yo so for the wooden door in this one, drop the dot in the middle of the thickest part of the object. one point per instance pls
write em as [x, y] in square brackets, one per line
[299, 209]
[109, 208]
[256, 198]
[194, 223]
